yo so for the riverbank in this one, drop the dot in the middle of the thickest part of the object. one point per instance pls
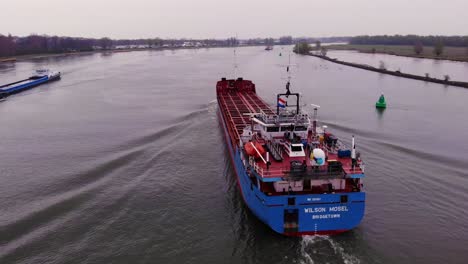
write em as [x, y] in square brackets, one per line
[394, 73]
[44, 55]
[450, 53]
[51, 55]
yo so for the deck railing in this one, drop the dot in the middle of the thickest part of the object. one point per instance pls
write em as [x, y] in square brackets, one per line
[265, 173]
[304, 172]
[274, 119]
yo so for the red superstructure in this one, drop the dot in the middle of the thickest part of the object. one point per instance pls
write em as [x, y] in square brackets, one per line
[297, 177]
[242, 108]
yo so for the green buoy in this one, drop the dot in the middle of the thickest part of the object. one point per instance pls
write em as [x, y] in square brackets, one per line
[280, 54]
[381, 102]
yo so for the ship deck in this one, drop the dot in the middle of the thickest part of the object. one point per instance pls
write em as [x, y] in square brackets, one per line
[15, 84]
[237, 100]
[283, 168]
[239, 106]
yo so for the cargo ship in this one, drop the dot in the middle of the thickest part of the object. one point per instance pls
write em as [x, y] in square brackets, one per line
[294, 175]
[39, 77]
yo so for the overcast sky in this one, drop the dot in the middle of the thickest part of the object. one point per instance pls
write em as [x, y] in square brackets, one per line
[220, 18]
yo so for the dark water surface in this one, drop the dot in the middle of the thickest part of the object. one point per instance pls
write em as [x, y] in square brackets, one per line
[123, 161]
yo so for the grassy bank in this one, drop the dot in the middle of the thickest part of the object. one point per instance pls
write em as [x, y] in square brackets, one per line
[394, 73]
[41, 56]
[450, 53]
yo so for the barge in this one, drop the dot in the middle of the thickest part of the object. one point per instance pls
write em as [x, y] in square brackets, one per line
[38, 78]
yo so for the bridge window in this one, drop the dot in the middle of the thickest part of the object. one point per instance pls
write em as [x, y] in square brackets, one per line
[300, 128]
[272, 129]
[296, 148]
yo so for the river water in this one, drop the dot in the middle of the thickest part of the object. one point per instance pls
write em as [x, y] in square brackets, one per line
[123, 161]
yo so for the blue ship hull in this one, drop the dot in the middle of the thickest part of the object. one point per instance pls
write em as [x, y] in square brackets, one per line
[316, 214]
[24, 85]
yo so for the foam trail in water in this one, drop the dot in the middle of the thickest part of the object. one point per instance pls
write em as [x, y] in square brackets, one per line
[347, 258]
[307, 241]
[212, 107]
[313, 246]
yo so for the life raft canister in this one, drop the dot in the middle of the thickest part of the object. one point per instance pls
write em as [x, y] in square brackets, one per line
[250, 150]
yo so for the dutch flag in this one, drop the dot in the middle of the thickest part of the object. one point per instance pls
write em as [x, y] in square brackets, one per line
[281, 102]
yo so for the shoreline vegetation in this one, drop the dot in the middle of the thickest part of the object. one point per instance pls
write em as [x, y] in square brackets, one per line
[426, 78]
[319, 51]
[14, 48]
[454, 48]
[459, 54]
[75, 53]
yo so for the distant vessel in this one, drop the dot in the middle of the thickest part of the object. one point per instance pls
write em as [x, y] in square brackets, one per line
[294, 176]
[39, 77]
[8, 60]
[381, 102]
[269, 47]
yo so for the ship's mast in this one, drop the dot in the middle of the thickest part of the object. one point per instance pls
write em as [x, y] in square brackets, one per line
[235, 63]
[288, 91]
[314, 122]
[235, 58]
[288, 83]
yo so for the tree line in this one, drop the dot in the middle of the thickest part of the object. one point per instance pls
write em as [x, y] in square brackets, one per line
[410, 40]
[39, 44]
[36, 44]
[305, 48]
[42, 44]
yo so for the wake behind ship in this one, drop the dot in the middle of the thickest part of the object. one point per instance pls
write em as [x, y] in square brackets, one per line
[294, 176]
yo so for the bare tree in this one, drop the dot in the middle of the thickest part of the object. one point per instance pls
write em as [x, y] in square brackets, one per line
[7, 46]
[150, 42]
[466, 45]
[418, 48]
[382, 65]
[286, 40]
[439, 47]
[105, 43]
[318, 44]
[269, 41]
[323, 51]
[302, 48]
[232, 42]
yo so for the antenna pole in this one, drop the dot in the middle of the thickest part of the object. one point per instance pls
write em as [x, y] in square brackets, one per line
[235, 57]
[235, 63]
[314, 123]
